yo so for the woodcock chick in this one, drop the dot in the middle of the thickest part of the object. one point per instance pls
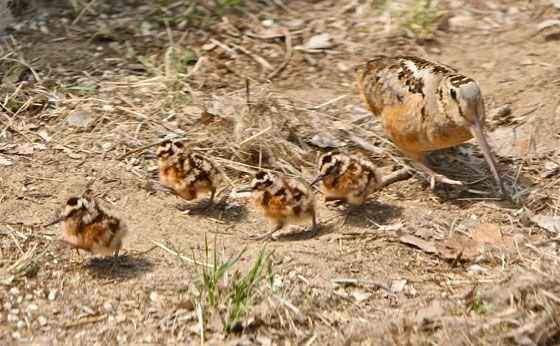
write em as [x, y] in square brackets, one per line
[187, 173]
[86, 226]
[425, 106]
[282, 201]
[347, 178]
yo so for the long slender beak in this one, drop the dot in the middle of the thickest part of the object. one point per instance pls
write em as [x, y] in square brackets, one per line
[317, 179]
[55, 221]
[477, 132]
[244, 190]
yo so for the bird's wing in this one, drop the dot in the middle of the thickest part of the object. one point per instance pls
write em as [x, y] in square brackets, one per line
[401, 81]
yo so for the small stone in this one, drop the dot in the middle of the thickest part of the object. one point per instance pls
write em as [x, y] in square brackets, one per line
[398, 285]
[80, 118]
[154, 297]
[267, 23]
[121, 318]
[295, 24]
[42, 320]
[12, 318]
[20, 324]
[108, 108]
[321, 41]
[108, 307]
[343, 66]
[14, 291]
[32, 307]
[52, 295]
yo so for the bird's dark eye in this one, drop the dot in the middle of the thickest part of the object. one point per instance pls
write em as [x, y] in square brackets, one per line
[327, 159]
[179, 145]
[72, 201]
[453, 94]
[260, 175]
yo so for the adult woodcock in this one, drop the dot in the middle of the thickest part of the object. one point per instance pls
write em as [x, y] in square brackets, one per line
[425, 106]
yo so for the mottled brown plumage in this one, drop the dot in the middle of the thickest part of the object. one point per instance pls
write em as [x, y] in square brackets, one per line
[187, 173]
[87, 227]
[282, 201]
[347, 178]
[425, 106]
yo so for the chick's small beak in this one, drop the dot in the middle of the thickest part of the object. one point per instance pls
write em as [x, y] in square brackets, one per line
[58, 219]
[317, 179]
[244, 189]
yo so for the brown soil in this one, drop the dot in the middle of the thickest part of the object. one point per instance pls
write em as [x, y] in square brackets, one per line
[144, 296]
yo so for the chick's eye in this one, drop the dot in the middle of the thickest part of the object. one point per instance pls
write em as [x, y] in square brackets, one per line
[72, 201]
[453, 94]
[260, 175]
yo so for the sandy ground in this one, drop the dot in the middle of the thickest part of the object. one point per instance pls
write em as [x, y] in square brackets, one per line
[109, 63]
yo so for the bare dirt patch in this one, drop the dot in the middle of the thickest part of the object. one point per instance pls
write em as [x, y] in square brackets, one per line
[86, 86]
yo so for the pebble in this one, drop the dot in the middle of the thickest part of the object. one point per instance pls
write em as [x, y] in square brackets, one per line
[42, 320]
[32, 307]
[108, 307]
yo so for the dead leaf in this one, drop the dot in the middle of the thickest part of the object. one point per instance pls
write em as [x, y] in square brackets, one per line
[398, 285]
[326, 141]
[24, 149]
[459, 248]
[273, 32]
[44, 135]
[430, 313]
[550, 169]
[360, 295]
[547, 24]
[80, 118]
[321, 41]
[5, 161]
[391, 228]
[487, 233]
[547, 222]
[426, 246]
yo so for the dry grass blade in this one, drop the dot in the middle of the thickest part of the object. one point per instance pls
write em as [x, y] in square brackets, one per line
[178, 255]
[26, 265]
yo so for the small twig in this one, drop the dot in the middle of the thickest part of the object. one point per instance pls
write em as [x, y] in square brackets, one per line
[401, 174]
[350, 281]
[83, 321]
[260, 133]
[148, 146]
[42, 178]
[184, 258]
[259, 59]
[336, 99]
[230, 51]
[248, 94]
[287, 57]
[21, 62]
[196, 67]
[82, 12]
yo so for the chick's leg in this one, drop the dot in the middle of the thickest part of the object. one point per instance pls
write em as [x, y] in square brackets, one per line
[268, 235]
[211, 199]
[314, 223]
[335, 201]
[419, 162]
